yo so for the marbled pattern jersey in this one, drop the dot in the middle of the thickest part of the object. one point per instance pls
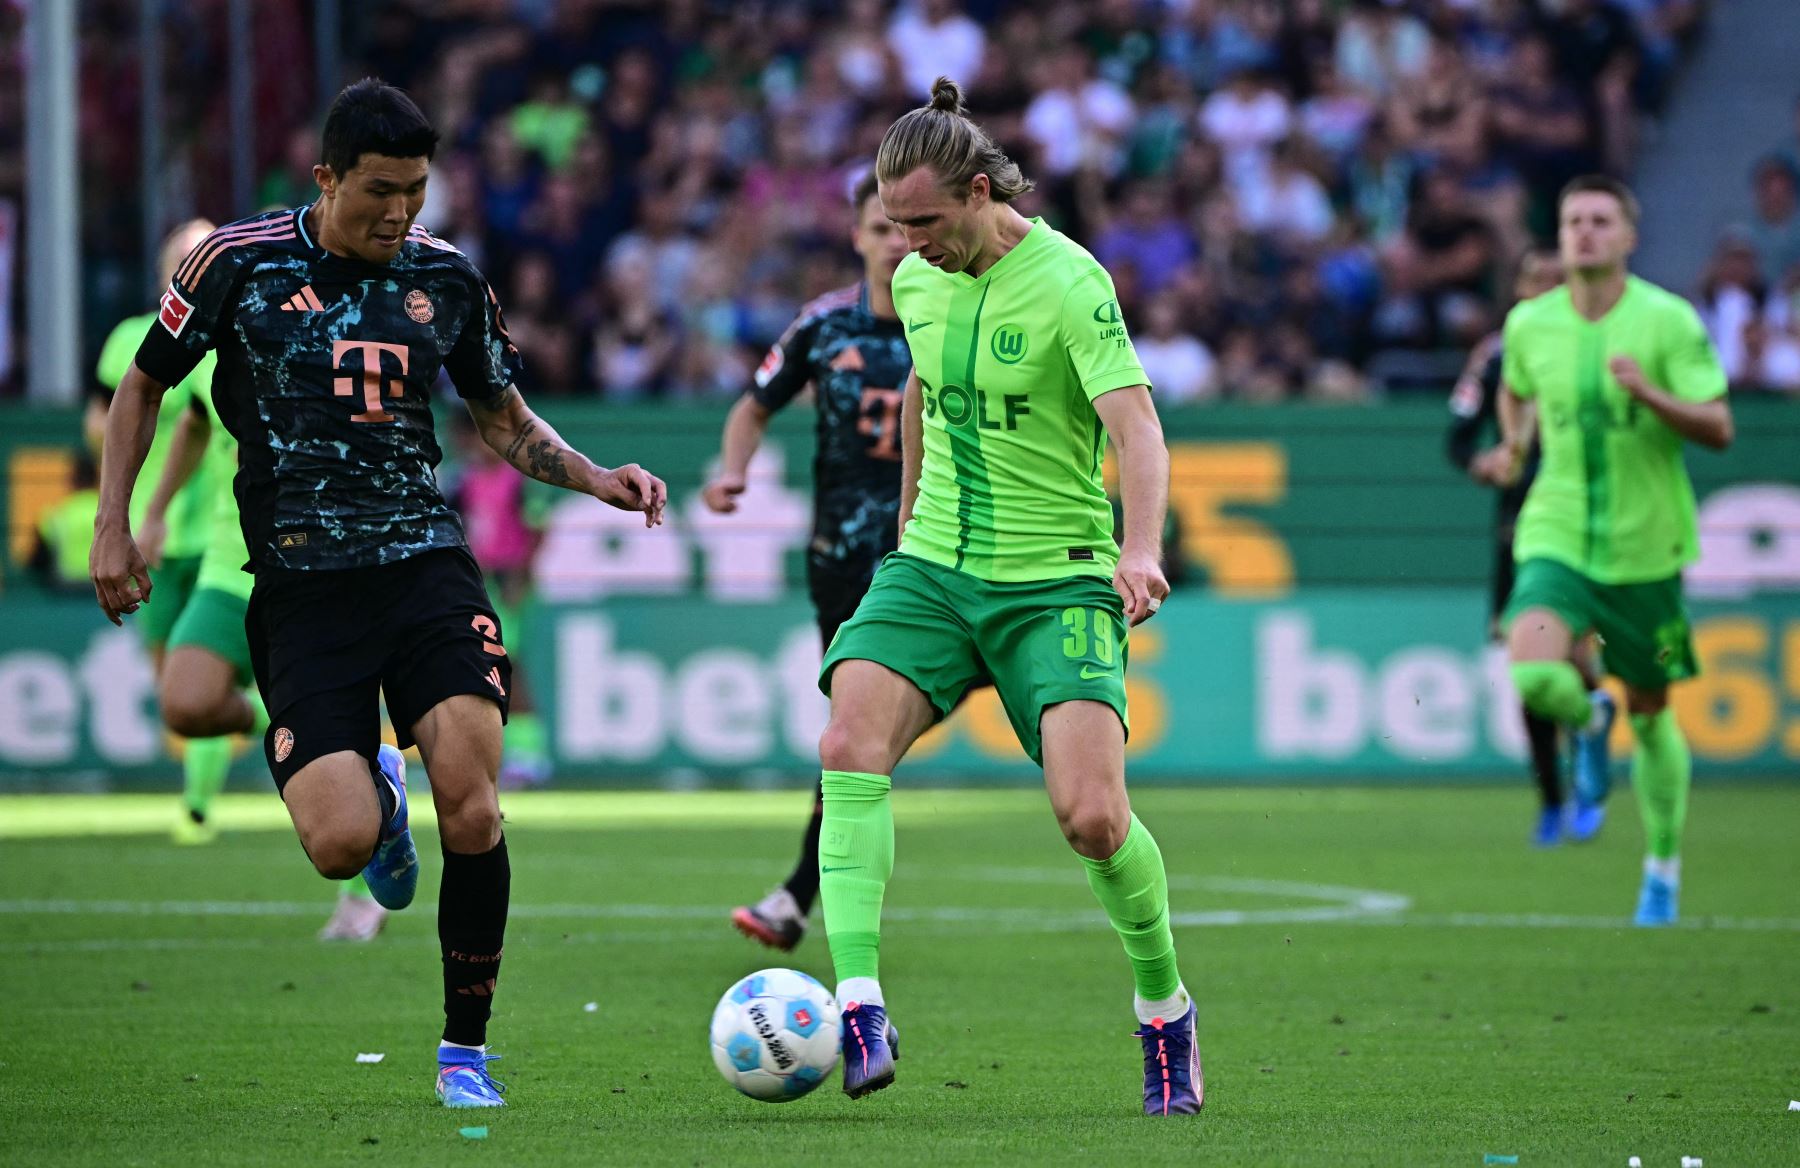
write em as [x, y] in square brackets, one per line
[325, 370]
[857, 364]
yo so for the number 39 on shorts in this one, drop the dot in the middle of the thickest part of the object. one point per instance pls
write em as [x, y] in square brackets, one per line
[1085, 626]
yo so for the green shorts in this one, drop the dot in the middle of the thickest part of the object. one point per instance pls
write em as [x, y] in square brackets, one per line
[170, 588]
[214, 620]
[1643, 628]
[1040, 641]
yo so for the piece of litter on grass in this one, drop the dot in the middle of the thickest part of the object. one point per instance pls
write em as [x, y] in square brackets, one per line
[1634, 1162]
[369, 1057]
[1692, 1162]
[1493, 1158]
[473, 1133]
[1794, 1105]
[591, 1008]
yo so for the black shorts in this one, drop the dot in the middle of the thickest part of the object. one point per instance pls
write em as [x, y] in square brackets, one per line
[325, 645]
[837, 588]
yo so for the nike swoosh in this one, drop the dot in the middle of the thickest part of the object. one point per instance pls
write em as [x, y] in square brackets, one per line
[913, 328]
[1089, 673]
[841, 868]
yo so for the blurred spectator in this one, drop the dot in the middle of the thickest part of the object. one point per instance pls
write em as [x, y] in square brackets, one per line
[1773, 232]
[1076, 119]
[1750, 324]
[1380, 45]
[933, 38]
[1246, 118]
[1148, 236]
[1541, 126]
[1180, 367]
[1288, 204]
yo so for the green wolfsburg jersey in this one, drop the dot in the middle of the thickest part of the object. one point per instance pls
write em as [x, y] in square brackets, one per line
[1009, 363]
[191, 507]
[1612, 498]
[222, 563]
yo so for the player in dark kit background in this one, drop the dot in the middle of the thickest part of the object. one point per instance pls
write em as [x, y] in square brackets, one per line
[1474, 414]
[851, 348]
[331, 324]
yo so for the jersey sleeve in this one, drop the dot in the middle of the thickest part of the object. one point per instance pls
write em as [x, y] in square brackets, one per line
[1094, 333]
[484, 363]
[1472, 403]
[1691, 370]
[785, 371]
[1512, 366]
[194, 312]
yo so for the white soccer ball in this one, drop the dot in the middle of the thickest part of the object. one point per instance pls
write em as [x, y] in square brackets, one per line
[775, 1035]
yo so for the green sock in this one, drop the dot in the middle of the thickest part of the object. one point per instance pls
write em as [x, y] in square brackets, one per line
[203, 766]
[1661, 771]
[1554, 690]
[1133, 887]
[357, 887]
[856, 857]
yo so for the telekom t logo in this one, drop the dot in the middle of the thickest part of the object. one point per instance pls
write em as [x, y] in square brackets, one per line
[374, 378]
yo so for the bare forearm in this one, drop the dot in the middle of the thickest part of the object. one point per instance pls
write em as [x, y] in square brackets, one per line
[185, 452]
[744, 430]
[130, 427]
[1708, 423]
[537, 450]
[1144, 489]
[912, 447]
[1518, 419]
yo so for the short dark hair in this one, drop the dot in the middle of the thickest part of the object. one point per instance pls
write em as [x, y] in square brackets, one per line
[372, 117]
[1604, 184]
[864, 190]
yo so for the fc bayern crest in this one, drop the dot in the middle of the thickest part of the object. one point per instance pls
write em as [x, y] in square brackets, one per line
[284, 744]
[418, 306]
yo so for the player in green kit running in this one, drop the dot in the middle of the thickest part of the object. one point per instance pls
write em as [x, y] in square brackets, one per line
[1007, 567]
[1613, 374]
[205, 689]
[176, 544]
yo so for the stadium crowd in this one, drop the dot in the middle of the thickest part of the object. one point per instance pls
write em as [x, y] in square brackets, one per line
[1294, 197]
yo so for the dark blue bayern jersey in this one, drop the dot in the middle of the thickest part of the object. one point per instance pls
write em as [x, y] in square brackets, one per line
[857, 364]
[325, 370]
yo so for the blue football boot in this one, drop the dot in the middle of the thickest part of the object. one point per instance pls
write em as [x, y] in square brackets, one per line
[1549, 828]
[1593, 764]
[1659, 902]
[1173, 1082]
[392, 874]
[871, 1045]
[463, 1079]
[1584, 821]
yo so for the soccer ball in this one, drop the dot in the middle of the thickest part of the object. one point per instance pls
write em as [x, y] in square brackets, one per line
[775, 1035]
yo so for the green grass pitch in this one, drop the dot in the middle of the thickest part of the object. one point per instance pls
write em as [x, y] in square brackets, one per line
[1386, 977]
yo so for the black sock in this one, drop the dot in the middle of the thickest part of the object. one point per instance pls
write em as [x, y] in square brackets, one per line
[471, 931]
[1546, 764]
[803, 885]
[384, 794]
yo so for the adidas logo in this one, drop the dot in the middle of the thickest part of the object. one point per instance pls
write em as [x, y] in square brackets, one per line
[305, 300]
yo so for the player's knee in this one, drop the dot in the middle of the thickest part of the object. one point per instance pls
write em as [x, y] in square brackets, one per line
[841, 748]
[470, 825]
[1645, 703]
[188, 712]
[1093, 827]
[340, 853]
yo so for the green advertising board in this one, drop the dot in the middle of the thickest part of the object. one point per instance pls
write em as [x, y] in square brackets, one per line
[1332, 623]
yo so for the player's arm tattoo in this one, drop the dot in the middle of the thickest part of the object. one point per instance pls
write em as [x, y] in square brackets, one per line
[512, 449]
[528, 442]
[546, 463]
